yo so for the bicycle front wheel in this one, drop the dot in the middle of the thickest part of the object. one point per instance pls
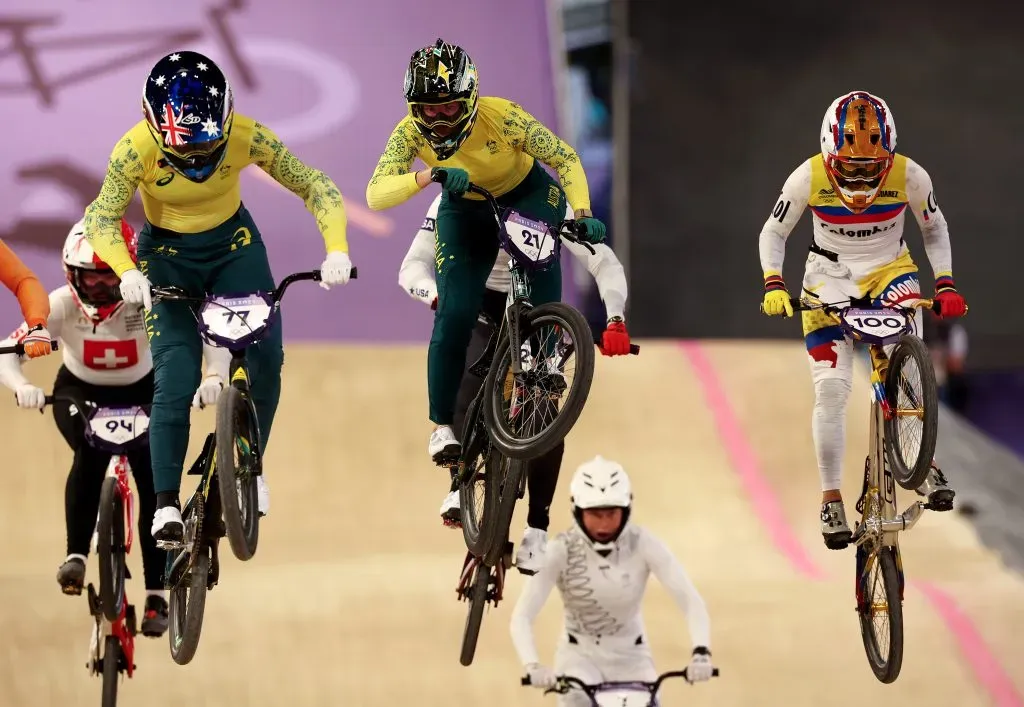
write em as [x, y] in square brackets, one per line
[236, 462]
[528, 414]
[110, 548]
[475, 617]
[911, 432]
[111, 669]
[880, 608]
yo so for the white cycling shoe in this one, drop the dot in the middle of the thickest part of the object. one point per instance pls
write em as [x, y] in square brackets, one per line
[530, 556]
[168, 528]
[262, 495]
[443, 445]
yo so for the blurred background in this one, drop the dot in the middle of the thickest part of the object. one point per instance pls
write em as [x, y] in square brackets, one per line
[688, 119]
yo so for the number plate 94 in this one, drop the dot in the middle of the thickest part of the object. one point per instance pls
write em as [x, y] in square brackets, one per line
[875, 326]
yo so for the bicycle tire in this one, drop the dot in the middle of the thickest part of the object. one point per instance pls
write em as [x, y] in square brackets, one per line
[185, 612]
[910, 476]
[508, 493]
[110, 533]
[475, 615]
[886, 668]
[241, 515]
[476, 531]
[508, 442]
[111, 669]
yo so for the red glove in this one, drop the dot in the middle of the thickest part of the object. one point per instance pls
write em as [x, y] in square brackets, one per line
[615, 341]
[951, 302]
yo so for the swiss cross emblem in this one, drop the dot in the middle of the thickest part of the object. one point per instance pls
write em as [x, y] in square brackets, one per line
[110, 355]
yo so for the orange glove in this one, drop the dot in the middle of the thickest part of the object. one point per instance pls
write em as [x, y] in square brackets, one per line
[36, 342]
[615, 340]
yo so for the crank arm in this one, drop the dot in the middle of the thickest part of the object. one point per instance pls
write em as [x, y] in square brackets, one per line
[905, 520]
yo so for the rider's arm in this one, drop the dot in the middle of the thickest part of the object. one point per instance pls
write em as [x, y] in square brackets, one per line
[392, 183]
[218, 361]
[23, 283]
[102, 222]
[315, 188]
[526, 133]
[11, 375]
[416, 275]
[786, 212]
[532, 599]
[673, 577]
[607, 271]
[934, 230]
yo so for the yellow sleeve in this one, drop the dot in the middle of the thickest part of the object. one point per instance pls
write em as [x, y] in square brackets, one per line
[102, 222]
[320, 194]
[392, 183]
[528, 134]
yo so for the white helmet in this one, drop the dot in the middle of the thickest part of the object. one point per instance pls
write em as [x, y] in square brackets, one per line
[858, 144]
[79, 257]
[601, 483]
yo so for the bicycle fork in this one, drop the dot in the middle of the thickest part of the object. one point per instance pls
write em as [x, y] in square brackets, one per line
[880, 521]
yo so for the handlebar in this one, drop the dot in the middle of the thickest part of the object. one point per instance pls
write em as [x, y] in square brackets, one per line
[81, 403]
[569, 229]
[19, 349]
[174, 293]
[803, 306]
[564, 682]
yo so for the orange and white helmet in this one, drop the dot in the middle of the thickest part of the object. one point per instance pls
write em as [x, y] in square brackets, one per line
[858, 144]
[93, 283]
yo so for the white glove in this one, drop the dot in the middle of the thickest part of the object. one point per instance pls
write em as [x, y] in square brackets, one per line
[30, 397]
[699, 669]
[208, 391]
[135, 289]
[335, 270]
[541, 676]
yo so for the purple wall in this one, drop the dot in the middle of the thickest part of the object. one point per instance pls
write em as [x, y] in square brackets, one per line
[326, 76]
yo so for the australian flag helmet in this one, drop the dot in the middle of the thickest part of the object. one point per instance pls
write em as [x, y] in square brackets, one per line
[189, 109]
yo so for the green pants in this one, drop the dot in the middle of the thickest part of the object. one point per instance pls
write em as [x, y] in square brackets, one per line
[465, 249]
[229, 258]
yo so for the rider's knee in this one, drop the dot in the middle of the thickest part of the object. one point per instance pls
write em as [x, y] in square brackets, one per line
[177, 368]
[832, 391]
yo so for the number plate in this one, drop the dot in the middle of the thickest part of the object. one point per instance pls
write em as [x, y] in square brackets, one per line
[530, 240]
[623, 698]
[119, 426]
[233, 319]
[875, 323]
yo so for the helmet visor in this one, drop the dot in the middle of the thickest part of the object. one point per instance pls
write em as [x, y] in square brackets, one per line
[442, 119]
[97, 287]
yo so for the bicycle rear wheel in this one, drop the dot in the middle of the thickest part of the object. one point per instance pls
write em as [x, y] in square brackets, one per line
[111, 672]
[477, 602]
[509, 482]
[878, 598]
[236, 462]
[477, 494]
[110, 548]
[911, 432]
[187, 606]
[522, 412]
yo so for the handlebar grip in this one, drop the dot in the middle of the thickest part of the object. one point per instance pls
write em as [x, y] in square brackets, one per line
[937, 307]
[525, 681]
[354, 274]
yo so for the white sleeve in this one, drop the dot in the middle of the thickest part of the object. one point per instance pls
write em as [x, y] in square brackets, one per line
[218, 361]
[788, 209]
[607, 272]
[934, 230]
[416, 275]
[535, 594]
[673, 577]
[10, 364]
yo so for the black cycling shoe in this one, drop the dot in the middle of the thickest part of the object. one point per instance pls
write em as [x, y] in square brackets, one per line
[154, 618]
[71, 576]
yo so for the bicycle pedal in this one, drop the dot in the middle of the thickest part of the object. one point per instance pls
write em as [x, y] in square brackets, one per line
[71, 590]
[170, 545]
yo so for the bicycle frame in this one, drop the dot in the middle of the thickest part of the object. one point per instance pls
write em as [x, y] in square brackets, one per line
[880, 521]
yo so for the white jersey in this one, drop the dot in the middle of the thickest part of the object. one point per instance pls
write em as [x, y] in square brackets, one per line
[113, 352]
[602, 596]
[874, 236]
[416, 275]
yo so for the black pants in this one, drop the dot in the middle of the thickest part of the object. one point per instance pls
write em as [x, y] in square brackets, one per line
[82, 491]
[543, 471]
